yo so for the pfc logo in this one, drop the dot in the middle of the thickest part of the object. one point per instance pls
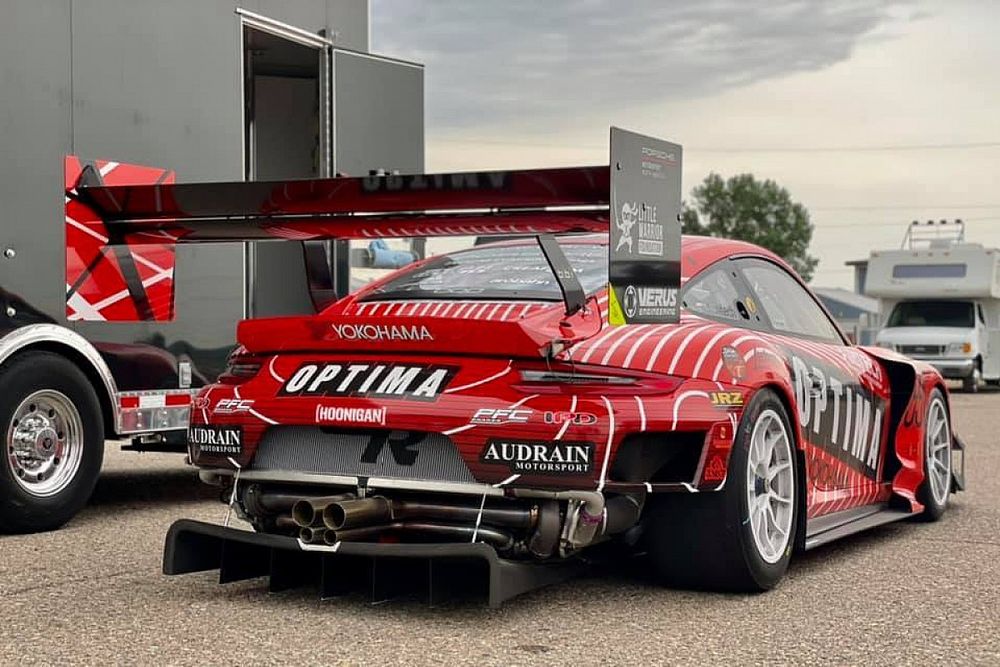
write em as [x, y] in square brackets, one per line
[490, 416]
[229, 406]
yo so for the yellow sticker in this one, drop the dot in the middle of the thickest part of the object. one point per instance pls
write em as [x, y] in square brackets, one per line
[726, 399]
[751, 305]
[616, 317]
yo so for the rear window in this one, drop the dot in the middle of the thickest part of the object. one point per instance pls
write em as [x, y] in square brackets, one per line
[497, 272]
[932, 314]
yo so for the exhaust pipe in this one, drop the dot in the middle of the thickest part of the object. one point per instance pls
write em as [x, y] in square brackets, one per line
[621, 513]
[510, 517]
[357, 512]
[331, 537]
[499, 539]
[308, 512]
[312, 535]
[365, 511]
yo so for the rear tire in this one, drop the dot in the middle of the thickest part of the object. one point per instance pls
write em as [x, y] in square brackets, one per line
[936, 488]
[741, 538]
[54, 442]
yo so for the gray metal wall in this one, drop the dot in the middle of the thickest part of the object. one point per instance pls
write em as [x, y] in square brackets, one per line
[379, 114]
[140, 81]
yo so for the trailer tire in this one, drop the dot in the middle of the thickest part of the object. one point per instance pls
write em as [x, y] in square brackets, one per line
[53, 445]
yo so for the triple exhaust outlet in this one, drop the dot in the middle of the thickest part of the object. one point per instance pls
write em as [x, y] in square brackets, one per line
[542, 525]
[345, 518]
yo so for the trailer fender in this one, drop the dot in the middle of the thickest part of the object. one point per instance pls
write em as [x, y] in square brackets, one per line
[77, 349]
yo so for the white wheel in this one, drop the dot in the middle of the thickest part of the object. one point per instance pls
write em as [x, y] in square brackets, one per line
[770, 486]
[936, 488]
[937, 445]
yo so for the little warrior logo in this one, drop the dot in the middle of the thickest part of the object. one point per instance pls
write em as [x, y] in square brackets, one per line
[416, 382]
[529, 457]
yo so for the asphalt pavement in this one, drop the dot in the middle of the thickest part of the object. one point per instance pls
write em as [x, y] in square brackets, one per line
[907, 593]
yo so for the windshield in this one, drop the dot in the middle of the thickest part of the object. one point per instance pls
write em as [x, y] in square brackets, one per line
[932, 314]
[497, 272]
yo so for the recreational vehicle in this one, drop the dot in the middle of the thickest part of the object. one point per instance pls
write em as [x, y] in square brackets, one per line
[940, 302]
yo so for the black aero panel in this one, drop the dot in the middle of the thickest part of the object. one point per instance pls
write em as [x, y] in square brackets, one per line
[435, 572]
[393, 454]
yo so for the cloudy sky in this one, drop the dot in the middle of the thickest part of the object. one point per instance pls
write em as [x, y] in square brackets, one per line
[871, 113]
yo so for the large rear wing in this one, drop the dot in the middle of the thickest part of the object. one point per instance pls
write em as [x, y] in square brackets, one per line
[129, 229]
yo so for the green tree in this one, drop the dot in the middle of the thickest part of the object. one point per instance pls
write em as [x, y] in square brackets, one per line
[760, 212]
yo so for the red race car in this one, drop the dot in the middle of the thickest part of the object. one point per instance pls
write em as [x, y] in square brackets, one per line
[478, 406]
[747, 430]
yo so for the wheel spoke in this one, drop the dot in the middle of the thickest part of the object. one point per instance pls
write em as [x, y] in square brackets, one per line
[774, 471]
[774, 521]
[780, 499]
[937, 429]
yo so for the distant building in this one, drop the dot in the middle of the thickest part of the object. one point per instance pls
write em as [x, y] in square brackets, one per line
[856, 313]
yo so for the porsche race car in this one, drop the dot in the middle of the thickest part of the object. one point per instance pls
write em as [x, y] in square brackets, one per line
[418, 409]
[479, 406]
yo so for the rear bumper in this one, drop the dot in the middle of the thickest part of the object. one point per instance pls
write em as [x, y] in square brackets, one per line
[436, 572]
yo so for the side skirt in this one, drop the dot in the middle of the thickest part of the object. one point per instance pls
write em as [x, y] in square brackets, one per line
[830, 527]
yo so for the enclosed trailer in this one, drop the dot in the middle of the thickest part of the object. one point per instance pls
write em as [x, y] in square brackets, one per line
[99, 343]
[940, 301]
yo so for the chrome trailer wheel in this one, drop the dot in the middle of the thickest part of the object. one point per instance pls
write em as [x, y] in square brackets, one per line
[45, 443]
[54, 442]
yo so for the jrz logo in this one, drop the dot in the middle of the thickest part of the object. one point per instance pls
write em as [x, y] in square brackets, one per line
[416, 382]
[839, 415]
[217, 439]
[491, 416]
[376, 332]
[332, 413]
[577, 418]
[726, 399]
[228, 406]
[539, 457]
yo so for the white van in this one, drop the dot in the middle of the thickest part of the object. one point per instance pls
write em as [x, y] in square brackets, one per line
[940, 301]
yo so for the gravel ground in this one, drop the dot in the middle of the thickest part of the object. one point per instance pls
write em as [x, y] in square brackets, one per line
[906, 593]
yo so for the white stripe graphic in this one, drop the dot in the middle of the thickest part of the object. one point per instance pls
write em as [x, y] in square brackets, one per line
[663, 341]
[680, 350]
[683, 397]
[607, 446]
[274, 374]
[476, 384]
[708, 348]
[562, 429]
[593, 344]
[634, 330]
[642, 413]
[642, 339]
